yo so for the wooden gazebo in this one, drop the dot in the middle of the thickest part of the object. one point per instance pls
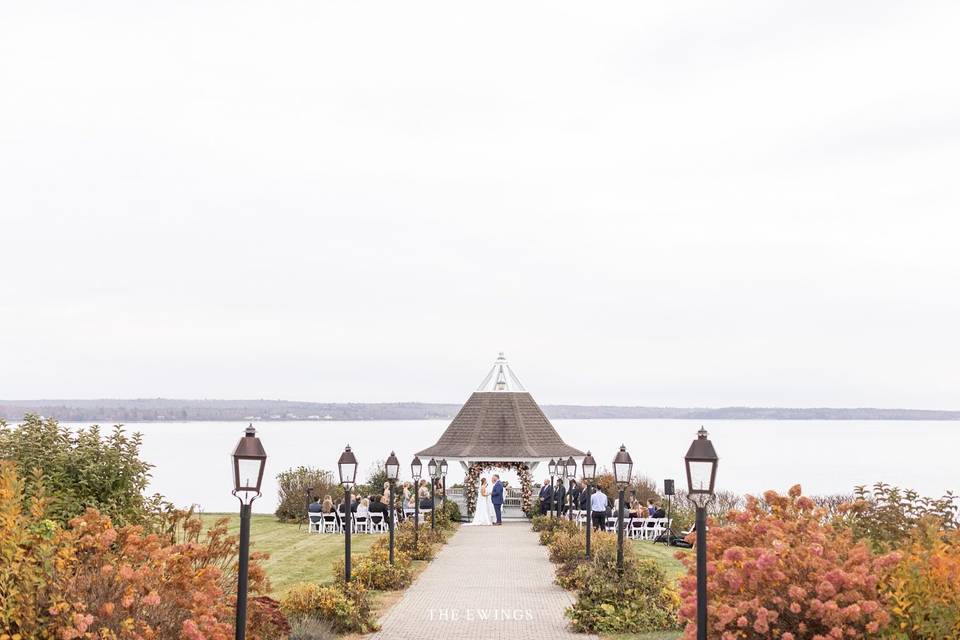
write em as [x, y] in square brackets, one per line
[500, 426]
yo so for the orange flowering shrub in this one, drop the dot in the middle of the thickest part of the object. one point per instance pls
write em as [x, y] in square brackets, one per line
[923, 592]
[92, 580]
[778, 571]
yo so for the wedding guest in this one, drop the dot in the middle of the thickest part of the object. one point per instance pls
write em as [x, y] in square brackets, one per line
[546, 495]
[363, 509]
[315, 506]
[559, 496]
[600, 507]
[376, 506]
[327, 506]
[584, 496]
[574, 493]
[425, 501]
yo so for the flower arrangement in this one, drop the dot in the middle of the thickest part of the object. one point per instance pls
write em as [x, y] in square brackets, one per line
[473, 476]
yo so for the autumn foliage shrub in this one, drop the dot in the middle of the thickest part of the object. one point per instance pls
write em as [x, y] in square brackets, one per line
[419, 546]
[345, 607]
[779, 570]
[640, 599]
[92, 580]
[553, 527]
[374, 570]
[923, 591]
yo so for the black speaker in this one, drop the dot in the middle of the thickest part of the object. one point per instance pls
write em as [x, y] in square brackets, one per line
[668, 488]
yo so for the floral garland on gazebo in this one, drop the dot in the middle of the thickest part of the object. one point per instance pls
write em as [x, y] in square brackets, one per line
[473, 475]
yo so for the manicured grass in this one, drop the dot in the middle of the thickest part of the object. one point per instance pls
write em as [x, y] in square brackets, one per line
[664, 556]
[295, 555]
[653, 635]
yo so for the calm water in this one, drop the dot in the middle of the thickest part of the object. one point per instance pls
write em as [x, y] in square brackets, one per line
[192, 459]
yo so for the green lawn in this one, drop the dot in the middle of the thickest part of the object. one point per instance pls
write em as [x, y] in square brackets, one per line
[664, 556]
[295, 555]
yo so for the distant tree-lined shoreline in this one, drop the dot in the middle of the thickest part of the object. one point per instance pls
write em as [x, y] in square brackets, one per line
[173, 410]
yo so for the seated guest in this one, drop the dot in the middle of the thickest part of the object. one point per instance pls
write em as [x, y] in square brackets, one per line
[327, 506]
[376, 506]
[659, 513]
[363, 508]
[353, 504]
[315, 506]
[584, 497]
[600, 507]
[635, 508]
[546, 495]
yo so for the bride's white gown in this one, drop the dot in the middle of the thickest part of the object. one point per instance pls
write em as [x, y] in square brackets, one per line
[483, 515]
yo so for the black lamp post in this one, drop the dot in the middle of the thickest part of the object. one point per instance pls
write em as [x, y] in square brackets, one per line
[393, 472]
[348, 475]
[553, 489]
[562, 473]
[415, 468]
[572, 474]
[622, 471]
[443, 480]
[434, 470]
[701, 462]
[589, 475]
[249, 461]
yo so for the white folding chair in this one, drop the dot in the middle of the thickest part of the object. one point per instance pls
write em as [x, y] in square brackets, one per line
[378, 523]
[361, 524]
[330, 523]
[314, 522]
[638, 527]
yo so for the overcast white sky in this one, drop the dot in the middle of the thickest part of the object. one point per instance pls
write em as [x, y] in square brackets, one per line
[656, 203]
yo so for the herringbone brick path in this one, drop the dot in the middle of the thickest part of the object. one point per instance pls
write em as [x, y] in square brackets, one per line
[487, 583]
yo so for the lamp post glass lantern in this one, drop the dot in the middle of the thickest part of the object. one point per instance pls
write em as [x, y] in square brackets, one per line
[393, 473]
[589, 475]
[347, 464]
[701, 462]
[249, 461]
[622, 472]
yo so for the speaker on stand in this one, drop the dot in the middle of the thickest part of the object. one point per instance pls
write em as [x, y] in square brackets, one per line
[668, 537]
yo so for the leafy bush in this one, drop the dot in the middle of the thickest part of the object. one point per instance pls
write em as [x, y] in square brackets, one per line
[539, 522]
[345, 607]
[923, 592]
[639, 600]
[779, 571]
[375, 571]
[91, 580]
[452, 511]
[292, 489]
[887, 516]
[265, 619]
[422, 549]
[81, 470]
[555, 526]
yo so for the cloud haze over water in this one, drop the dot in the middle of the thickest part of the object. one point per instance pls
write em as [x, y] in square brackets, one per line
[741, 203]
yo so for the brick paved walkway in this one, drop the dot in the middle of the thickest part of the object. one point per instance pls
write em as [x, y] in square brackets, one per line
[487, 583]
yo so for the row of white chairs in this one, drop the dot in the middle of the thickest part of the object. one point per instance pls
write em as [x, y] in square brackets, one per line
[372, 523]
[636, 528]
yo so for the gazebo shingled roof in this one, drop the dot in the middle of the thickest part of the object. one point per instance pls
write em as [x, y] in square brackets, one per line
[500, 421]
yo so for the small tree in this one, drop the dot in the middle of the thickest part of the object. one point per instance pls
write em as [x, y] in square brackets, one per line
[292, 489]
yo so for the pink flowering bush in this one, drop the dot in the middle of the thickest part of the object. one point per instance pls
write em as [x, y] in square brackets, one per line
[778, 570]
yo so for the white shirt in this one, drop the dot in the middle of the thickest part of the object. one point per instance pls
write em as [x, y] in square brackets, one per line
[598, 501]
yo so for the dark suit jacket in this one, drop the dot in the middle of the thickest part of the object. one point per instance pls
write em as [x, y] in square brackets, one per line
[378, 507]
[315, 507]
[496, 496]
[560, 496]
[426, 503]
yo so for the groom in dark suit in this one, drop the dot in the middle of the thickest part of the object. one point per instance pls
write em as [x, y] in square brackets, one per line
[496, 497]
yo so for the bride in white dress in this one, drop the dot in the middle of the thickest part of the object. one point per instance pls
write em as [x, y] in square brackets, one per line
[483, 514]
